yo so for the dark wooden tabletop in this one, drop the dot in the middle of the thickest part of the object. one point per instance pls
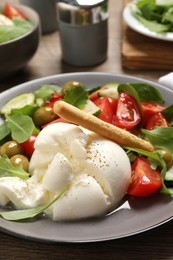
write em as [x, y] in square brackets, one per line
[154, 244]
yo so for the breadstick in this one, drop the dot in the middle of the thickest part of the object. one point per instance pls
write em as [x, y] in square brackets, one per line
[90, 122]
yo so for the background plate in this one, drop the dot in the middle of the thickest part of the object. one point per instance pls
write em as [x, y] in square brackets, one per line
[134, 24]
[132, 217]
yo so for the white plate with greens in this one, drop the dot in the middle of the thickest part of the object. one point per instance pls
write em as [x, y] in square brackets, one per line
[134, 216]
[138, 25]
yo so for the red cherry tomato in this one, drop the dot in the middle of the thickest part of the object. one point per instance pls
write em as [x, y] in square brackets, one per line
[128, 114]
[145, 181]
[156, 120]
[28, 146]
[106, 109]
[93, 96]
[55, 97]
[149, 109]
[11, 12]
[113, 102]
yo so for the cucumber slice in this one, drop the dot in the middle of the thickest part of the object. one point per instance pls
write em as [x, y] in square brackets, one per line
[109, 90]
[91, 108]
[18, 102]
[169, 175]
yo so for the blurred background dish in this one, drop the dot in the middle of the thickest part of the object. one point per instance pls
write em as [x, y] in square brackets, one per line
[15, 53]
[46, 10]
[137, 26]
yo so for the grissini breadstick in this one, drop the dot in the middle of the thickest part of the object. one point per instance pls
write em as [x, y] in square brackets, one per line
[116, 134]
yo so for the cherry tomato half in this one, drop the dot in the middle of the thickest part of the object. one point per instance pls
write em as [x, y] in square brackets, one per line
[145, 181]
[149, 109]
[106, 109]
[11, 12]
[28, 146]
[128, 114]
[156, 120]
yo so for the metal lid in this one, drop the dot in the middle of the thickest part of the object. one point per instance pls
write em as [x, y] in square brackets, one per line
[82, 12]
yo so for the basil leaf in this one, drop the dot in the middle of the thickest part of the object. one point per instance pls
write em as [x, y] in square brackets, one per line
[21, 127]
[16, 215]
[161, 137]
[148, 93]
[128, 88]
[76, 96]
[7, 169]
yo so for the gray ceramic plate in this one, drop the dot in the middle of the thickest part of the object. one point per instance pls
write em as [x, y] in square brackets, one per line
[133, 217]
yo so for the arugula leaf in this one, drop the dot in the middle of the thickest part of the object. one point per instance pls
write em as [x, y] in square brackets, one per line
[21, 127]
[76, 96]
[4, 130]
[161, 137]
[45, 92]
[7, 169]
[153, 156]
[26, 110]
[16, 215]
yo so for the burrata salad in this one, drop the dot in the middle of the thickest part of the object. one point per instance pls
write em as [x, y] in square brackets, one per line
[63, 171]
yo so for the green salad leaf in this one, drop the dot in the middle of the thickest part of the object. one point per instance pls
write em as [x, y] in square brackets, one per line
[76, 96]
[4, 130]
[16, 215]
[21, 127]
[45, 91]
[168, 113]
[160, 137]
[156, 15]
[8, 170]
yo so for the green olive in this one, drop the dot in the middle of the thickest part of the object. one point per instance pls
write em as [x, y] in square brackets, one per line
[70, 85]
[20, 159]
[11, 148]
[167, 157]
[44, 115]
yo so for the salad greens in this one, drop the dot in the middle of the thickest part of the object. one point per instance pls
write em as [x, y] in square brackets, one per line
[156, 15]
[8, 170]
[19, 28]
[16, 215]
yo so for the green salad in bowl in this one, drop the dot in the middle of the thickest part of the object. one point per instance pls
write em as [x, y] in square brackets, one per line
[156, 15]
[19, 37]
[13, 23]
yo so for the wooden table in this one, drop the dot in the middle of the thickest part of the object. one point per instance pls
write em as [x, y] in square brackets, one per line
[154, 244]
